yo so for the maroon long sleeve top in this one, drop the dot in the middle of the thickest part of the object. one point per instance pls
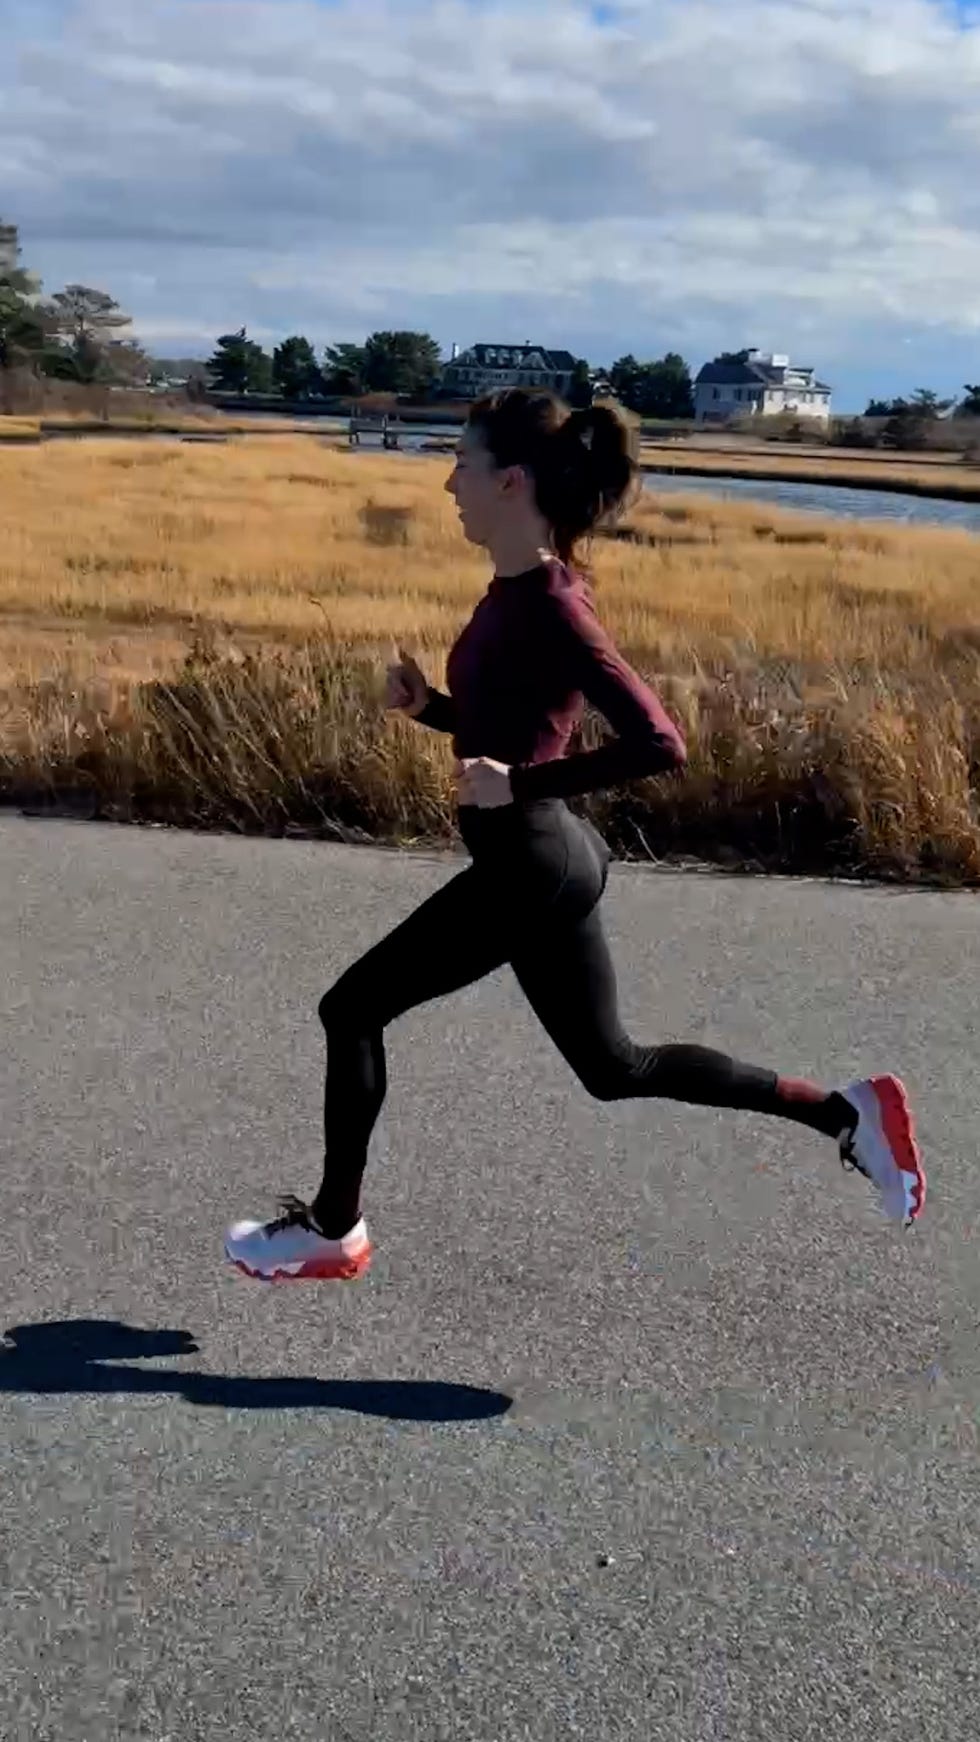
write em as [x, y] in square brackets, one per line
[533, 652]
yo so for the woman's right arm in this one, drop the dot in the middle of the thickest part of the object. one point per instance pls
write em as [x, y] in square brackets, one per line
[408, 691]
[439, 712]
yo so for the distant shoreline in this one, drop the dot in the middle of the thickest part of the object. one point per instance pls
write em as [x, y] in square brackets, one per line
[916, 480]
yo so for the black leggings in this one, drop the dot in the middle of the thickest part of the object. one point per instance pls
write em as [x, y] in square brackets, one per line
[529, 898]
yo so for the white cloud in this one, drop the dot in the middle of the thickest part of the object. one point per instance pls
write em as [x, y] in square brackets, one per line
[694, 172]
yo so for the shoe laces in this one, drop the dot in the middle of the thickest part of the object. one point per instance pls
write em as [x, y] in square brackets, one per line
[848, 1155]
[294, 1214]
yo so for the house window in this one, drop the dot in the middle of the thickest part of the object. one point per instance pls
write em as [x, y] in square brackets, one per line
[716, 393]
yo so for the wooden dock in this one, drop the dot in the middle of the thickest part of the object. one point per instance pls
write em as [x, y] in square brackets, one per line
[375, 424]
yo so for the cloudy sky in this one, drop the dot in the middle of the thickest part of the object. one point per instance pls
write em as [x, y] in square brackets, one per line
[644, 175]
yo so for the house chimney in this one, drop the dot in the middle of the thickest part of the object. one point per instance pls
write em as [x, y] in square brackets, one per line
[454, 353]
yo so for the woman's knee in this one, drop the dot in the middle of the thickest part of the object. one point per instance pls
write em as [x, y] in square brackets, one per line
[329, 1008]
[605, 1079]
[609, 1067]
[346, 1004]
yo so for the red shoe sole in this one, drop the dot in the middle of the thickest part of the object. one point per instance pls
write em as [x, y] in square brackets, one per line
[898, 1124]
[348, 1272]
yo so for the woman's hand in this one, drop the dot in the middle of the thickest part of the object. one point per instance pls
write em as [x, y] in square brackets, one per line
[406, 689]
[483, 782]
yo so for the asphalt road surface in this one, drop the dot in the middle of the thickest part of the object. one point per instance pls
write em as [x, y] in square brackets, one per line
[643, 1425]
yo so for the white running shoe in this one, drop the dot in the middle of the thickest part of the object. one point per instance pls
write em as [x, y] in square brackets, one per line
[883, 1146]
[292, 1249]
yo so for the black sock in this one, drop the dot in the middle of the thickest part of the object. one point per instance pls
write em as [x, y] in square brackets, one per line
[807, 1105]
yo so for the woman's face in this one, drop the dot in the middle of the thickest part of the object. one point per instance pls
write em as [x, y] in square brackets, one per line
[479, 488]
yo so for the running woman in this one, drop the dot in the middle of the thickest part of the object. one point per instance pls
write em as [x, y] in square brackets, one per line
[531, 479]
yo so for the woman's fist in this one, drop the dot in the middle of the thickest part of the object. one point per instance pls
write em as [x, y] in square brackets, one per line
[406, 688]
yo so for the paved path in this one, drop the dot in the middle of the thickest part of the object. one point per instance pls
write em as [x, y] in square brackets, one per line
[667, 1437]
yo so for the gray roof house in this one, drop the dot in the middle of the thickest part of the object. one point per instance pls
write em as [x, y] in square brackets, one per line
[487, 368]
[765, 385]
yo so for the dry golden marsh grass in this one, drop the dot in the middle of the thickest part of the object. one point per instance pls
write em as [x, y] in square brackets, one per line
[198, 635]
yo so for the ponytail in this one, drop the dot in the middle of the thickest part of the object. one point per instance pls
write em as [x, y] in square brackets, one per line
[594, 478]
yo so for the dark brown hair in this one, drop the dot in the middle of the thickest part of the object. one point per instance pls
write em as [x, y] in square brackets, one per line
[582, 463]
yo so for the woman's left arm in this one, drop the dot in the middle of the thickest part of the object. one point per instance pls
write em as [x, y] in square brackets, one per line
[647, 740]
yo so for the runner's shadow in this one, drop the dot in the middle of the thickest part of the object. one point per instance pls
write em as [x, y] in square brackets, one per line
[69, 1356]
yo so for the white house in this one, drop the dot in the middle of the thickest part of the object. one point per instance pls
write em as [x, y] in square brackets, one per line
[488, 368]
[763, 386]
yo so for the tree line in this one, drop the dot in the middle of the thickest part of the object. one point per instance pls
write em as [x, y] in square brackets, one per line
[405, 363]
[81, 334]
[926, 404]
[905, 424]
[409, 364]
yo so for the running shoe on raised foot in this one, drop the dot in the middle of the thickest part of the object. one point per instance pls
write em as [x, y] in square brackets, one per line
[292, 1249]
[883, 1147]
